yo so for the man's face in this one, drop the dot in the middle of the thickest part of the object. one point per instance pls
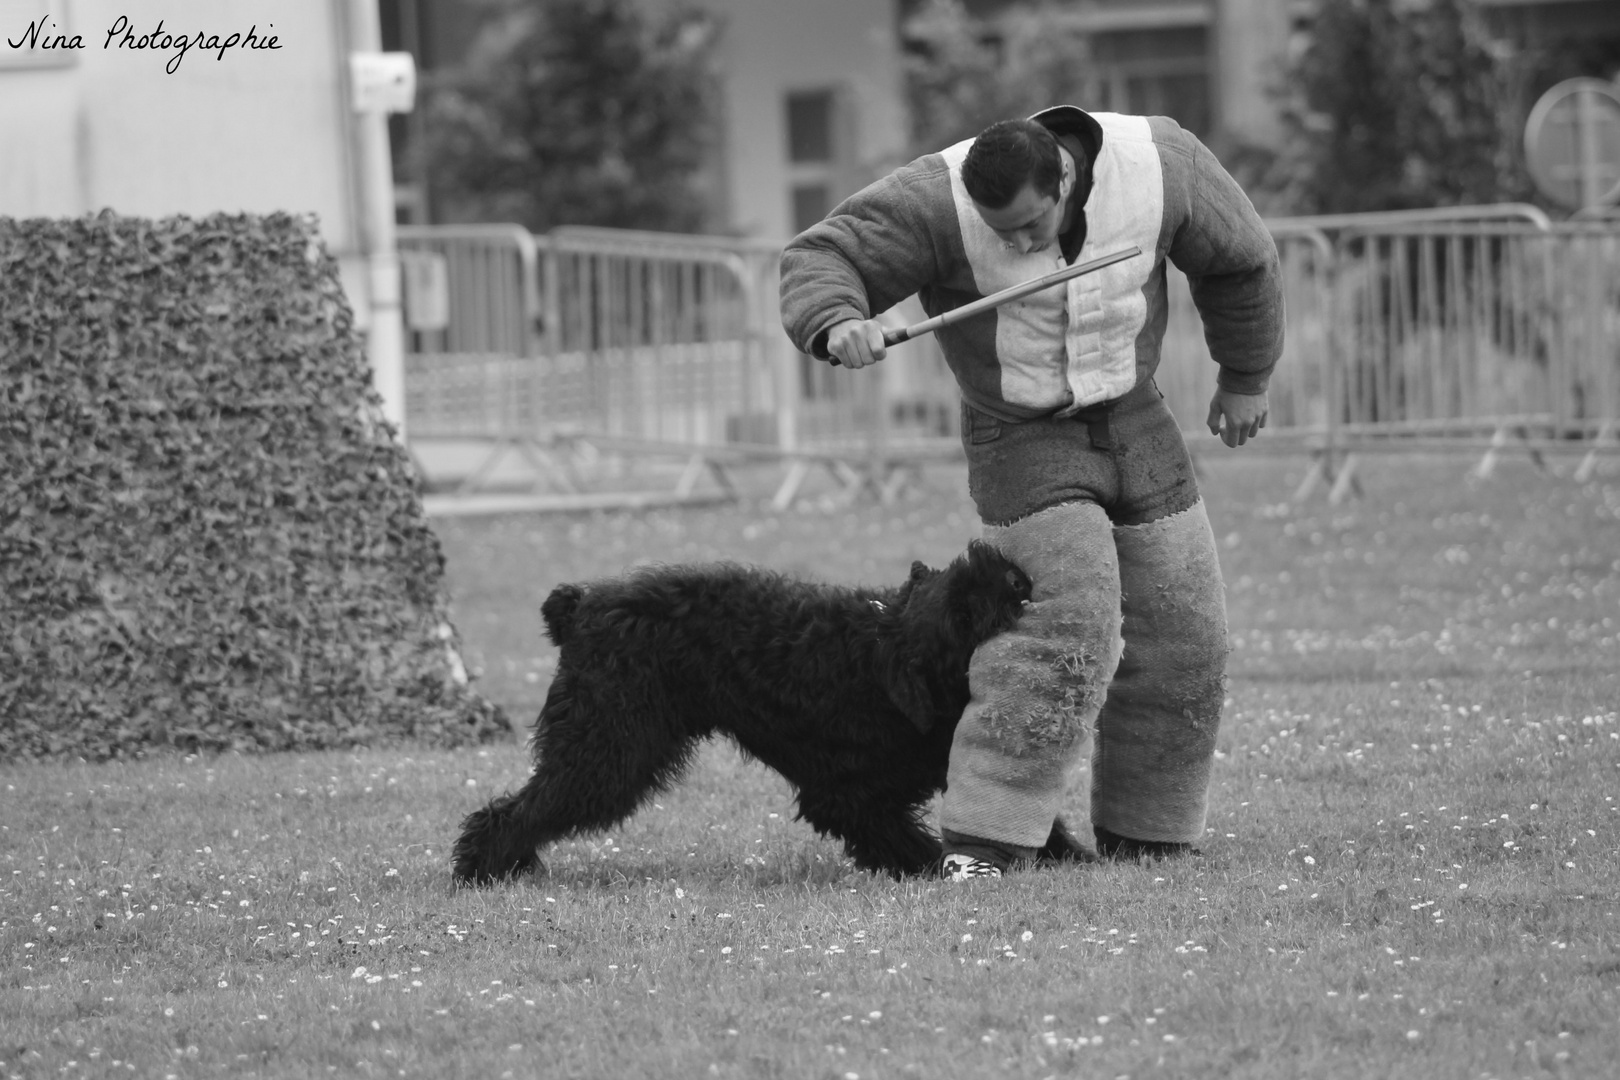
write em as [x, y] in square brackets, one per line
[1028, 223]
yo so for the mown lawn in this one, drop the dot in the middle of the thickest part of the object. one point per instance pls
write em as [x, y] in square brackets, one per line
[1412, 867]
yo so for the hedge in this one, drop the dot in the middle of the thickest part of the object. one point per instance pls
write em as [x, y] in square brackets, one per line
[208, 537]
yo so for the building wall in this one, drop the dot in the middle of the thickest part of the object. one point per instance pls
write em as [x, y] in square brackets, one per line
[769, 50]
[106, 126]
[1250, 49]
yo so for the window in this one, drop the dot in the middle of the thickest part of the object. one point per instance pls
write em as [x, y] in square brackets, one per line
[810, 204]
[817, 147]
[1163, 72]
[810, 127]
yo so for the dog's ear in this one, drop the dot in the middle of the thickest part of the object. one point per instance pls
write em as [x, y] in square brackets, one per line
[921, 574]
[558, 612]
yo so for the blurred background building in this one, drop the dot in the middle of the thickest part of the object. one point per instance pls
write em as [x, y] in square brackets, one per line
[811, 100]
[814, 100]
[746, 120]
[105, 125]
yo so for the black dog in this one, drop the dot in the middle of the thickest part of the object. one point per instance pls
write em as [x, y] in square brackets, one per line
[851, 694]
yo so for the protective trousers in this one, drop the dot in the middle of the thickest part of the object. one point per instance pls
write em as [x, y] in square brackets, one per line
[1106, 698]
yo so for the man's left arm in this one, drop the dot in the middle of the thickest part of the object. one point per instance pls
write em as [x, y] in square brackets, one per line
[1231, 264]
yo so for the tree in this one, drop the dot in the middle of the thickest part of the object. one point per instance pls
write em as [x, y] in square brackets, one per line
[578, 112]
[962, 75]
[1393, 106]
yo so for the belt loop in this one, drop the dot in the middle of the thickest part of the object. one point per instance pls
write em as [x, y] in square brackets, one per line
[1102, 438]
[1096, 418]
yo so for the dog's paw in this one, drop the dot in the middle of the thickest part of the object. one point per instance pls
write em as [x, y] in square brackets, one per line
[475, 875]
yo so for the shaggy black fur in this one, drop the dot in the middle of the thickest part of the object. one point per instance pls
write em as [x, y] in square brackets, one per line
[851, 694]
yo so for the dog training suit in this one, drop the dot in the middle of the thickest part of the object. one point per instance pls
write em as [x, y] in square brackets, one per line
[1077, 468]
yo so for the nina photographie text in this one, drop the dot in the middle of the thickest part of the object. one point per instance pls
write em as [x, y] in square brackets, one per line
[43, 34]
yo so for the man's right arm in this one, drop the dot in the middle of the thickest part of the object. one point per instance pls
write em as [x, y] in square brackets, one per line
[874, 250]
[856, 343]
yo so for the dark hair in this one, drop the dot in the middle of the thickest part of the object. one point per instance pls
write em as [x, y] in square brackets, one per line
[1006, 155]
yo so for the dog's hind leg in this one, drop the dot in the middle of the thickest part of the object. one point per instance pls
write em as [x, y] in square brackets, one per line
[493, 842]
[587, 777]
[885, 839]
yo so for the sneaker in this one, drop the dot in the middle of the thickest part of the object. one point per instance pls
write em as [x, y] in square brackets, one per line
[958, 867]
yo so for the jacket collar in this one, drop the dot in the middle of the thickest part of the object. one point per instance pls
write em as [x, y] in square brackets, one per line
[1071, 120]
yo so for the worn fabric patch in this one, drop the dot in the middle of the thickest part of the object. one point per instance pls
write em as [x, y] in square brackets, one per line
[1127, 456]
[1156, 733]
[1025, 738]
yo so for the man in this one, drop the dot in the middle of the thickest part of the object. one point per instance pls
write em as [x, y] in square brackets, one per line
[1076, 466]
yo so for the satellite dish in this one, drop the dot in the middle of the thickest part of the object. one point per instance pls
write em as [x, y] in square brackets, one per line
[1572, 143]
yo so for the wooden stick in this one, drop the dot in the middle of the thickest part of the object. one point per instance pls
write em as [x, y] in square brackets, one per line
[1015, 292]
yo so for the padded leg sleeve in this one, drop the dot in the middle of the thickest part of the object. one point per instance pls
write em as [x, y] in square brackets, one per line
[1156, 734]
[1025, 737]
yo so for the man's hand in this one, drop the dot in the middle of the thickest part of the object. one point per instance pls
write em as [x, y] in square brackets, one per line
[857, 343]
[1237, 418]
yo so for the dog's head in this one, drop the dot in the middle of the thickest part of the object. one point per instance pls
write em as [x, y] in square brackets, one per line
[941, 617]
[990, 590]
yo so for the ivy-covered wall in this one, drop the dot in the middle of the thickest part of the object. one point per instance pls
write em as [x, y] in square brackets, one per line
[208, 538]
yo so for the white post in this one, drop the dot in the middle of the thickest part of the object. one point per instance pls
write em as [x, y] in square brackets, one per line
[380, 83]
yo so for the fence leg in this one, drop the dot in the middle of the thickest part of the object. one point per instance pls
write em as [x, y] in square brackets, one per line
[901, 474]
[696, 466]
[474, 481]
[1313, 476]
[544, 463]
[1588, 467]
[1345, 483]
[798, 469]
[722, 476]
[1321, 469]
[689, 476]
[1487, 464]
[854, 480]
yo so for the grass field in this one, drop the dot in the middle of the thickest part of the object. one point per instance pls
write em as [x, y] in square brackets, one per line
[1412, 867]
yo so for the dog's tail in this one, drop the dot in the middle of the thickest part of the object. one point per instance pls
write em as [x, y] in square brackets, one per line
[558, 612]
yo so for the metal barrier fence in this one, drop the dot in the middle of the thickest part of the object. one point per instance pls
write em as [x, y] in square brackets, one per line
[1297, 392]
[1434, 328]
[474, 327]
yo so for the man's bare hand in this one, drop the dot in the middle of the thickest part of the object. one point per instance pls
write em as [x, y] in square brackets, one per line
[1237, 418]
[857, 343]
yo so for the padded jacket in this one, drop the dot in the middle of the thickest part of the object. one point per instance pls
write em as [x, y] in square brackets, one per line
[1090, 340]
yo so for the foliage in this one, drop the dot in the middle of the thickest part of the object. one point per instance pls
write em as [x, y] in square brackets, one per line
[959, 79]
[577, 112]
[1386, 105]
[207, 538]
[1394, 106]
